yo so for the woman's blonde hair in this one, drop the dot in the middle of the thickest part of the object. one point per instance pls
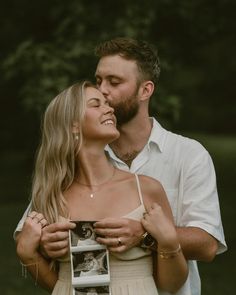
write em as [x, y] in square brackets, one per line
[55, 166]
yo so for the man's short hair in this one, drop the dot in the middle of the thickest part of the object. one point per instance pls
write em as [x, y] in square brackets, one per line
[143, 53]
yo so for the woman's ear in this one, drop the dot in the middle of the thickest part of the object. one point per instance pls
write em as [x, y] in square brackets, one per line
[146, 88]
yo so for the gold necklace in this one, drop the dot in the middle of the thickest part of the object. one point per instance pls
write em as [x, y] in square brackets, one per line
[97, 185]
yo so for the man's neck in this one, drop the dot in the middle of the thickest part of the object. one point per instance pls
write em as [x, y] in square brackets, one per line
[133, 137]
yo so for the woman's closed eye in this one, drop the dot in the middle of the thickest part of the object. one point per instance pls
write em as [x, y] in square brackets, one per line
[94, 103]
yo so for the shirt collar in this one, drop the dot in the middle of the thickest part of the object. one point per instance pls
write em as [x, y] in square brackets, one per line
[157, 135]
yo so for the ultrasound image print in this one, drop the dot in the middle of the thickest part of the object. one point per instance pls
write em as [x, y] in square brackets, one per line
[90, 263]
[99, 290]
[83, 234]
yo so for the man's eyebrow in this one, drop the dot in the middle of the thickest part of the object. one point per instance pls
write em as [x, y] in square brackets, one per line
[114, 77]
[109, 77]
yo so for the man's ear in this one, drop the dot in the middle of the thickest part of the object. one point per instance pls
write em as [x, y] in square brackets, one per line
[146, 88]
[75, 128]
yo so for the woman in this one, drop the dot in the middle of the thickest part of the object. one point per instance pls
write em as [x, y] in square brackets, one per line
[75, 180]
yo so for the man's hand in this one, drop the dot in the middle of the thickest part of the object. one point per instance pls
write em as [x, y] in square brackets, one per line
[160, 226]
[29, 238]
[54, 241]
[119, 234]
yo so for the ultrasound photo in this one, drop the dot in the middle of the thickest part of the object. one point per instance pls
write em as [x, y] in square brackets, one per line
[97, 290]
[83, 234]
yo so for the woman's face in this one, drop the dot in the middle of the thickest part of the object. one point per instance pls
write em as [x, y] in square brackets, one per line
[99, 122]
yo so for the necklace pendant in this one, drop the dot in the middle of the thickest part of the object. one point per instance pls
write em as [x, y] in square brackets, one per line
[91, 195]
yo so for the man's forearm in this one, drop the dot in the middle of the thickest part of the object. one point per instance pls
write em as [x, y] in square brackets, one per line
[197, 244]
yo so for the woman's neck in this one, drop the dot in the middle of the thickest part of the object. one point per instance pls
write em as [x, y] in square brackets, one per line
[94, 167]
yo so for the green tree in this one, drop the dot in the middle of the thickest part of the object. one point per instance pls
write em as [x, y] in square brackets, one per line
[55, 49]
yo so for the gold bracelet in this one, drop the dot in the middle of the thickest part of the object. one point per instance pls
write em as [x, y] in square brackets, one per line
[169, 254]
[24, 270]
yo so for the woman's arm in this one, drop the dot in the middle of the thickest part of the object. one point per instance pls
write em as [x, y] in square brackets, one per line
[27, 244]
[172, 270]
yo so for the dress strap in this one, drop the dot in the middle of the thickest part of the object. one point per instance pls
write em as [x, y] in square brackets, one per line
[139, 189]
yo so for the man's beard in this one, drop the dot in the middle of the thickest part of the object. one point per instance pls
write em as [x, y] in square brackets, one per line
[126, 109]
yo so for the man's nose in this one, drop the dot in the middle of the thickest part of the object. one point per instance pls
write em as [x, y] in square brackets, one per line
[103, 88]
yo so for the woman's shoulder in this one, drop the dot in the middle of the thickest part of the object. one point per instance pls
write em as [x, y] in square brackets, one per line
[146, 182]
[152, 190]
[149, 183]
[123, 176]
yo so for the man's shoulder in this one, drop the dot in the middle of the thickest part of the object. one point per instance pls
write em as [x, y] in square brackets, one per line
[182, 150]
[174, 141]
[184, 143]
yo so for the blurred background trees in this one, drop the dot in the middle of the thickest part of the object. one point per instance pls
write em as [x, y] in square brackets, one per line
[48, 45]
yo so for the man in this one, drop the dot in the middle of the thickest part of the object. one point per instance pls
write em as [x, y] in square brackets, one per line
[127, 74]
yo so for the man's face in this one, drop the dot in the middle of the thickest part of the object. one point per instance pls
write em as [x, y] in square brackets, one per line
[117, 79]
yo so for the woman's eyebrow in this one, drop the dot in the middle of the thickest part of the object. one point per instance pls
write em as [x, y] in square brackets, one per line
[94, 99]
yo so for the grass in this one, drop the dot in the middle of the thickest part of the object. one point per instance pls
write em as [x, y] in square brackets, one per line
[218, 277]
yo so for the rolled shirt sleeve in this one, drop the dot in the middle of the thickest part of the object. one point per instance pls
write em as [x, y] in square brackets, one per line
[21, 222]
[200, 204]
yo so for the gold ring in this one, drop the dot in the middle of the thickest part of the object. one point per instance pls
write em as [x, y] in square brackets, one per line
[42, 224]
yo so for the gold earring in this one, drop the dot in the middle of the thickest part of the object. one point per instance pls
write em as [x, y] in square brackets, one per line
[76, 136]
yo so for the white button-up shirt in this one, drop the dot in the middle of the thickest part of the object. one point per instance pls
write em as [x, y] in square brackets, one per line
[185, 169]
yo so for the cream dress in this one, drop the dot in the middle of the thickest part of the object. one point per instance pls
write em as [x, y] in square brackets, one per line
[131, 271]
